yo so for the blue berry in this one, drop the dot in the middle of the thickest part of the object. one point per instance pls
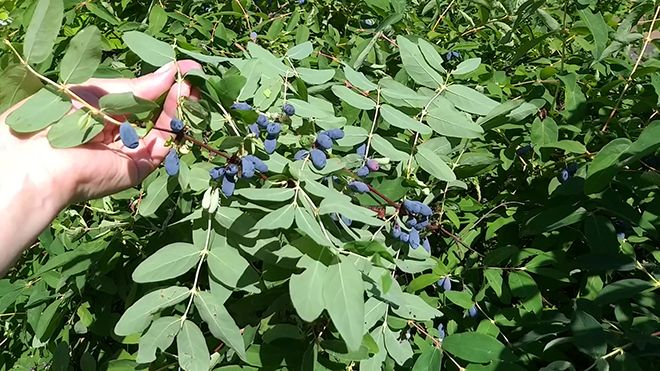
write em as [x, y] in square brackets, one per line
[564, 175]
[373, 165]
[572, 168]
[425, 210]
[217, 172]
[426, 245]
[396, 231]
[128, 135]
[368, 22]
[414, 240]
[362, 172]
[335, 134]
[620, 236]
[262, 121]
[445, 283]
[302, 2]
[361, 150]
[441, 331]
[254, 129]
[269, 145]
[472, 312]
[522, 151]
[273, 128]
[413, 207]
[346, 220]
[228, 185]
[231, 169]
[241, 106]
[323, 141]
[301, 154]
[404, 237]
[171, 162]
[289, 109]
[259, 165]
[421, 224]
[318, 158]
[253, 36]
[247, 167]
[411, 222]
[452, 55]
[176, 125]
[358, 186]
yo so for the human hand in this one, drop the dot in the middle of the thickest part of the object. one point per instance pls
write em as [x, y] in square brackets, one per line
[102, 166]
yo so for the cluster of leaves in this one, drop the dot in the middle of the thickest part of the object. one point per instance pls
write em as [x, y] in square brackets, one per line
[527, 128]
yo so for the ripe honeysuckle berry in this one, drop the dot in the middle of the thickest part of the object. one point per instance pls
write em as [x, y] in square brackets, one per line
[253, 36]
[414, 240]
[522, 151]
[228, 185]
[247, 167]
[412, 207]
[452, 55]
[445, 283]
[335, 134]
[273, 128]
[421, 225]
[425, 210]
[441, 331]
[323, 141]
[362, 172]
[404, 237]
[373, 165]
[217, 172]
[269, 145]
[231, 169]
[289, 109]
[368, 22]
[411, 222]
[262, 120]
[301, 154]
[129, 137]
[426, 245]
[472, 312]
[258, 164]
[572, 168]
[302, 2]
[361, 150]
[241, 106]
[396, 231]
[346, 220]
[358, 186]
[564, 175]
[318, 158]
[254, 129]
[171, 162]
[620, 236]
[176, 125]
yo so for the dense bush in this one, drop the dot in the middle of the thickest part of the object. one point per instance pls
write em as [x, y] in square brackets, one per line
[378, 184]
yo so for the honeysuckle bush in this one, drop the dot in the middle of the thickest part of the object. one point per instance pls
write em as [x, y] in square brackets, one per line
[361, 185]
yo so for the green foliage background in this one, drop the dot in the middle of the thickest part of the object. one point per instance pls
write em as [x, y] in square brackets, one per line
[564, 274]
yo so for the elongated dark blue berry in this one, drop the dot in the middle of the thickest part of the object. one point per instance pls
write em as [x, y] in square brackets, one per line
[396, 231]
[253, 36]
[346, 220]
[425, 210]
[228, 185]
[335, 134]
[231, 169]
[472, 312]
[301, 154]
[441, 331]
[421, 224]
[564, 175]
[217, 172]
[361, 150]
[262, 120]
[171, 162]
[414, 240]
[247, 167]
[363, 171]
[254, 129]
[426, 245]
[269, 145]
[176, 125]
[522, 151]
[445, 283]
[373, 165]
[411, 222]
[241, 106]
[358, 186]
[572, 168]
[318, 157]
[404, 237]
[273, 128]
[323, 141]
[128, 135]
[259, 165]
[413, 207]
[289, 109]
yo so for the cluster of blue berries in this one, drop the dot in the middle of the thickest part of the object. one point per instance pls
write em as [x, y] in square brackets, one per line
[230, 172]
[445, 283]
[323, 143]
[567, 172]
[418, 220]
[370, 165]
[452, 54]
[272, 129]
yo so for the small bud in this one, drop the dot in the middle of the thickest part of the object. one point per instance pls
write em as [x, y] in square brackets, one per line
[206, 199]
[128, 135]
[215, 200]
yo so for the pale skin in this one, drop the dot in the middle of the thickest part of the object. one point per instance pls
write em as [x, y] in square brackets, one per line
[38, 181]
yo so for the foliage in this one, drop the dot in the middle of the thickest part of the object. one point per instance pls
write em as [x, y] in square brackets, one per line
[527, 127]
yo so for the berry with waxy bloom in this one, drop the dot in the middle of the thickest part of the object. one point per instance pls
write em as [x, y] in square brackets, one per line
[231, 169]
[301, 154]
[358, 186]
[425, 210]
[335, 134]
[241, 106]
[273, 129]
[452, 55]
[373, 165]
[128, 135]
[259, 165]
[217, 172]
[564, 175]
[404, 237]
[318, 157]
[441, 331]
[253, 36]
[171, 163]
[413, 207]
[426, 245]
[445, 283]
[254, 129]
[361, 150]
[414, 240]
[522, 151]
[176, 125]
[411, 222]
[362, 172]
[396, 231]
[323, 141]
[228, 185]
[472, 312]
[346, 220]
[262, 120]
[289, 109]
[269, 145]
[247, 167]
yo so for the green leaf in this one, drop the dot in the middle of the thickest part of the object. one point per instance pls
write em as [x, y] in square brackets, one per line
[648, 142]
[469, 100]
[434, 165]
[306, 289]
[431, 55]
[475, 347]
[399, 119]
[552, 218]
[137, 316]
[569, 146]
[447, 121]
[82, 57]
[308, 224]
[266, 194]
[38, 112]
[358, 79]
[17, 84]
[622, 289]
[221, 324]
[588, 334]
[353, 212]
[494, 277]
[414, 307]
[467, 66]
[416, 66]
[401, 95]
[343, 292]
[461, 298]
[385, 148]
[228, 265]
[168, 262]
[300, 51]
[280, 218]
[160, 335]
[150, 50]
[598, 28]
[157, 19]
[523, 286]
[43, 30]
[429, 360]
[123, 103]
[574, 99]
[315, 77]
[352, 98]
[605, 165]
[157, 192]
[48, 319]
[544, 132]
[73, 130]
[272, 65]
[193, 355]
[400, 351]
